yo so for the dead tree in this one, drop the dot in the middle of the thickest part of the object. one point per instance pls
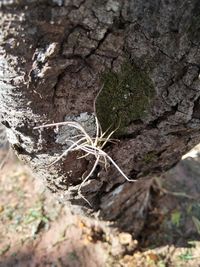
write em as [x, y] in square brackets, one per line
[133, 64]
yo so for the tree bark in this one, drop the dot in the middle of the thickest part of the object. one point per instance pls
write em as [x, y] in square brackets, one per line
[134, 64]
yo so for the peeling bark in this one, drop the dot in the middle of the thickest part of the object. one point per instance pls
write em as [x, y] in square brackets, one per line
[53, 56]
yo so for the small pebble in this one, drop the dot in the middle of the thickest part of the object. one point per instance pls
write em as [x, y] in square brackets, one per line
[125, 238]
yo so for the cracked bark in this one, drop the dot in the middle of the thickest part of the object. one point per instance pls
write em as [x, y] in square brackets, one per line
[52, 57]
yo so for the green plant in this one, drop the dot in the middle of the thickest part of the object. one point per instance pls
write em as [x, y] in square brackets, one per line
[196, 223]
[161, 263]
[175, 218]
[89, 145]
[186, 256]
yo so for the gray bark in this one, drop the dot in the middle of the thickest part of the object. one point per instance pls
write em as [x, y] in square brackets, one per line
[53, 57]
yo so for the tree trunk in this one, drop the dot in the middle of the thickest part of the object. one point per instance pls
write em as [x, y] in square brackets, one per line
[133, 64]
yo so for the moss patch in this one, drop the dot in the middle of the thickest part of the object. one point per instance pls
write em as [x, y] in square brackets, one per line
[124, 98]
[149, 157]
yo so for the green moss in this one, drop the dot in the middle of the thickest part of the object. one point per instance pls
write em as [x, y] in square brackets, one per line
[149, 157]
[124, 98]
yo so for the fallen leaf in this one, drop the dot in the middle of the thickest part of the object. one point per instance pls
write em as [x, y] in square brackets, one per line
[152, 256]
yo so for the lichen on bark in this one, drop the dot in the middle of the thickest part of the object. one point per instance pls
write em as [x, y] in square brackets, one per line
[125, 97]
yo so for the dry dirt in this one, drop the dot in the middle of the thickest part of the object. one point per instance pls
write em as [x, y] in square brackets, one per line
[36, 230]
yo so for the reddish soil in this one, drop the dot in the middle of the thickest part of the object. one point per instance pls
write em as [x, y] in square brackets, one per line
[36, 230]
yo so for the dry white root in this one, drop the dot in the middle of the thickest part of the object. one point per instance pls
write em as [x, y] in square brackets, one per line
[89, 145]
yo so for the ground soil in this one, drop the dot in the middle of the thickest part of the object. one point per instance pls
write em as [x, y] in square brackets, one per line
[36, 230]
